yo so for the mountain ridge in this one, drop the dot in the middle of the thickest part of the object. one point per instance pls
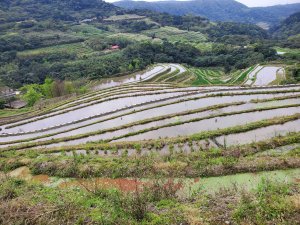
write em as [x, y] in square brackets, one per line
[218, 10]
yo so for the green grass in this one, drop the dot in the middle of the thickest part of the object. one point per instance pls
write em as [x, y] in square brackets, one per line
[216, 76]
[85, 30]
[203, 46]
[269, 202]
[130, 36]
[27, 202]
[173, 35]
[79, 49]
[13, 112]
[200, 161]
[292, 51]
[124, 17]
[243, 76]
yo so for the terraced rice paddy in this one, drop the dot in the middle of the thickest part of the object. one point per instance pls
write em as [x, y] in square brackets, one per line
[146, 106]
[254, 76]
[137, 130]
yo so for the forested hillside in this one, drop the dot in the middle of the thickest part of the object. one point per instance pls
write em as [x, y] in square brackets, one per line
[217, 10]
[67, 10]
[289, 27]
[73, 40]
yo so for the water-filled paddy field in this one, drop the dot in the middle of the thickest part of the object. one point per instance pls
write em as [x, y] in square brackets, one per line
[143, 106]
[148, 112]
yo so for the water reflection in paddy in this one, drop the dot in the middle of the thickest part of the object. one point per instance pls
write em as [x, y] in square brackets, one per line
[260, 134]
[212, 124]
[266, 75]
[88, 111]
[184, 106]
[81, 113]
[145, 114]
[116, 81]
[190, 128]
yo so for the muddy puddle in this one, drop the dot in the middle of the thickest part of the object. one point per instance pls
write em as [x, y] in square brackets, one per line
[24, 173]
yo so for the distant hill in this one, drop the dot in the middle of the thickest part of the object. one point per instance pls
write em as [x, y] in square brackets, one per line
[289, 27]
[218, 10]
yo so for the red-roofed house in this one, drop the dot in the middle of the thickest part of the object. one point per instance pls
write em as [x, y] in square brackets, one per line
[115, 47]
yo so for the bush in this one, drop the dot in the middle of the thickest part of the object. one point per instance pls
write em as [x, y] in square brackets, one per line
[268, 203]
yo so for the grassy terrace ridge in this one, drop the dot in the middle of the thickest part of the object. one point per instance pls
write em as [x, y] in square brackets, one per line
[202, 135]
[180, 77]
[136, 123]
[242, 77]
[92, 117]
[99, 115]
[244, 150]
[120, 90]
[275, 98]
[197, 163]
[173, 97]
[172, 76]
[255, 75]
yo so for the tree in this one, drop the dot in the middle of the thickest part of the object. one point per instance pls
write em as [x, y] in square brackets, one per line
[69, 87]
[2, 103]
[32, 96]
[47, 88]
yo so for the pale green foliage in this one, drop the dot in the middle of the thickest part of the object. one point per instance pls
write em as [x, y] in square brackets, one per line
[32, 95]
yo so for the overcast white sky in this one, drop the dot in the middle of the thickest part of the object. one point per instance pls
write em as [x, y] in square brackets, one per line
[250, 3]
